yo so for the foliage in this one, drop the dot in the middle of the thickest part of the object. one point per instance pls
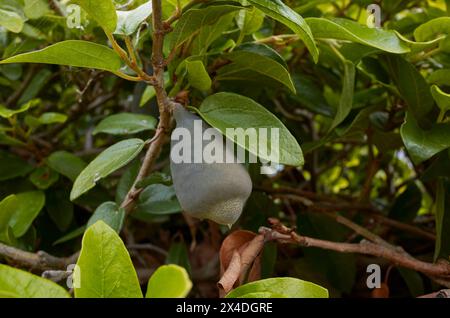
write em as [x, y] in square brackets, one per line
[364, 133]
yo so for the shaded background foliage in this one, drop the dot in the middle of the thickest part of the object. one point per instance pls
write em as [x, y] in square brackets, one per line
[370, 116]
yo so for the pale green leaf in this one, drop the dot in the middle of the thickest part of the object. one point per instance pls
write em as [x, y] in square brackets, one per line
[129, 21]
[441, 98]
[11, 20]
[21, 284]
[104, 268]
[433, 29]
[169, 281]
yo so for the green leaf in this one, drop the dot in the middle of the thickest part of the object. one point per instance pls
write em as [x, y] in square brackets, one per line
[44, 177]
[157, 199]
[286, 286]
[432, 29]
[8, 113]
[423, 144]
[66, 164]
[413, 280]
[22, 284]
[251, 61]
[11, 21]
[12, 166]
[125, 124]
[282, 13]
[197, 75]
[52, 118]
[113, 158]
[8, 207]
[110, 213]
[346, 100]
[35, 9]
[250, 21]
[442, 209]
[129, 21]
[169, 281]
[195, 19]
[411, 85]
[104, 268]
[347, 30]
[102, 11]
[407, 204]
[228, 110]
[72, 53]
[440, 77]
[28, 208]
[441, 98]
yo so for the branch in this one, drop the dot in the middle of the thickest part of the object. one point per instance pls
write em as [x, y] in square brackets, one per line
[439, 270]
[39, 260]
[164, 106]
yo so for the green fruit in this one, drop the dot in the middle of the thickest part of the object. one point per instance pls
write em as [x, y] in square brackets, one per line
[214, 191]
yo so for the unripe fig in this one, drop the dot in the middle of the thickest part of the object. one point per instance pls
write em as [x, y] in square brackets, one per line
[206, 190]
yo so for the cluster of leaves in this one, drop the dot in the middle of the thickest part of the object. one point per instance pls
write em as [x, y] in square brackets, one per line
[367, 105]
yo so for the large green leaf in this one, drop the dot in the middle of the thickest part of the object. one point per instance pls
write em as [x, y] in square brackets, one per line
[344, 29]
[20, 284]
[8, 207]
[110, 213]
[423, 144]
[129, 21]
[195, 19]
[250, 21]
[102, 11]
[104, 268]
[411, 85]
[432, 29]
[11, 20]
[35, 9]
[280, 287]
[28, 208]
[72, 53]
[228, 110]
[440, 77]
[12, 166]
[66, 164]
[113, 158]
[277, 10]
[125, 124]
[442, 208]
[441, 98]
[251, 61]
[169, 281]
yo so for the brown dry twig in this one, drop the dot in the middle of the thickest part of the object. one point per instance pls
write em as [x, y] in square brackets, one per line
[437, 271]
